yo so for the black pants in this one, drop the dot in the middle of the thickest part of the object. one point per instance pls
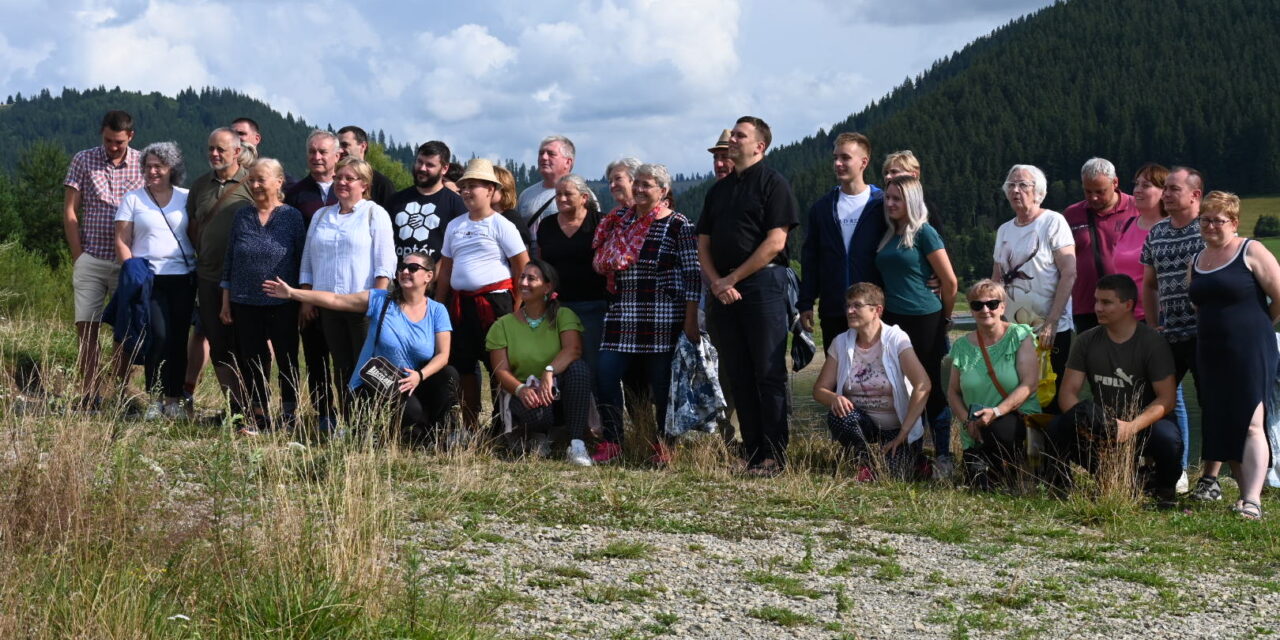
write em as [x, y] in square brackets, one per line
[165, 367]
[255, 326]
[575, 384]
[319, 377]
[756, 329]
[344, 332]
[832, 326]
[1077, 435]
[928, 335]
[221, 337]
[426, 409]
[1002, 451]
[1058, 362]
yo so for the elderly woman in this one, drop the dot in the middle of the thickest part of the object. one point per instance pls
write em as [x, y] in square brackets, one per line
[911, 253]
[994, 373]
[621, 174]
[649, 258]
[564, 242]
[535, 353]
[410, 330]
[349, 249]
[481, 256]
[874, 386]
[1231, 281]
[1035, 259]
[151, 224]
[265, 243]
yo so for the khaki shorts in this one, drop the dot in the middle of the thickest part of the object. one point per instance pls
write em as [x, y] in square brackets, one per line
[94, 280]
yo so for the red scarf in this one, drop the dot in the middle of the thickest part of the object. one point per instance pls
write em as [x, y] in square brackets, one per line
[484, 310]
[618, 241]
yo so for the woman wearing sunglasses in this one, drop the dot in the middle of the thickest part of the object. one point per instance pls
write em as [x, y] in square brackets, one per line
[994, 373]
[407, 328]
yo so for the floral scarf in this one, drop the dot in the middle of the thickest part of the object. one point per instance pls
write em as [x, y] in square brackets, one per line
[618, 240]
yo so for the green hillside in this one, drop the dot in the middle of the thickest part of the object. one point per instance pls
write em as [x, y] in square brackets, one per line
[1177, 82]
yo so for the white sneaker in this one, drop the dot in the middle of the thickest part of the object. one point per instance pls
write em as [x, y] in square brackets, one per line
[578, 455]
[1184, 485]
[540, 446]
[155, 411]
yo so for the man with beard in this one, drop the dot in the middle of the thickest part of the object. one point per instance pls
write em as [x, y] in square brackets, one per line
[420, 213]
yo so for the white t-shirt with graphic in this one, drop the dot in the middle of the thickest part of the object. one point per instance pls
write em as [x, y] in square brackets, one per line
[481, 250]
[849, 210]
[1025, 256]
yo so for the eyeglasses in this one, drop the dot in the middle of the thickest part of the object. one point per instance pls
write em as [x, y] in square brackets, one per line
[412, 267]
[858, 306]
[991, 305]
[1019, 186]
[1214, 222]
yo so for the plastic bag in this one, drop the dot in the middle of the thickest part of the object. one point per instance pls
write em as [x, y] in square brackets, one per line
[696, 400]
[1048, 386]
[1273, 427]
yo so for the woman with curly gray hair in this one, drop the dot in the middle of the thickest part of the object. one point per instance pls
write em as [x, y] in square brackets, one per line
[151, 225]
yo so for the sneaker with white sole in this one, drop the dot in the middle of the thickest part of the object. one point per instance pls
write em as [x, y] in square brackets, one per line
[1183, 485]
[578, 455]
[155, 411]
[1207, 490]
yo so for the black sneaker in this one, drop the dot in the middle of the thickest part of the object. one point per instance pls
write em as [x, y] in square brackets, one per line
[1207, 490]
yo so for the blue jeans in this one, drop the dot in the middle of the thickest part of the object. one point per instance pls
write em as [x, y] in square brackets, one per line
[613, 366]
[1184, 425]
[591, 313]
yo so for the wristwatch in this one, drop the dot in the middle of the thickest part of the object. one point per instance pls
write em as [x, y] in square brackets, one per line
[549, 369]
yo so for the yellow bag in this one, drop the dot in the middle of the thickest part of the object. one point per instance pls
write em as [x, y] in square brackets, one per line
[1048, 387]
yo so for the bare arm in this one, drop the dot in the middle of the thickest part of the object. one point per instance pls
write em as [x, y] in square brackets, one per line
[71, 220]
[949, 283]
[357, 302]
[1150, 296]
[1069, 392]
[824, 390]
[444, 271]
[381, 282]
[518, 261]
[1065, 260]
[124, 240]
[1267, 272]
[1161, 406]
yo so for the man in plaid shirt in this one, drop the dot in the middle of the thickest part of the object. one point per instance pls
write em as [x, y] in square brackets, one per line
[96, 182]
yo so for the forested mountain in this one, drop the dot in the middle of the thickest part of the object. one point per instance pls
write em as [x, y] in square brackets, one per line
[1188, 82]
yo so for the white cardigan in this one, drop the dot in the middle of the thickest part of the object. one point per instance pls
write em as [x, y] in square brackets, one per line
[895, 341]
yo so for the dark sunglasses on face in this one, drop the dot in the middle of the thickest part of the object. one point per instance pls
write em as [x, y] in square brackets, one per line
[991, 305]
[412, 267]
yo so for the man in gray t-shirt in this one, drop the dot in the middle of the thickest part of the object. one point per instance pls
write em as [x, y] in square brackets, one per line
[555, 160]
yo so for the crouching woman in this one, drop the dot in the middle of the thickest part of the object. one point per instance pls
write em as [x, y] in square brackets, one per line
[409, 330]
[874, 385]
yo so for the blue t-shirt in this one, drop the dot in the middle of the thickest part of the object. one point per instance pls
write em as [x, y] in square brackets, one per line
[407, 344]
[905, 272]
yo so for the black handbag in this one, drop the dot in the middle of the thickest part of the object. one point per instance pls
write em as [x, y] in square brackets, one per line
[379, 374]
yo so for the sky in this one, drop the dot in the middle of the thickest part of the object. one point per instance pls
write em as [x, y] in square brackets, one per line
[654, 79]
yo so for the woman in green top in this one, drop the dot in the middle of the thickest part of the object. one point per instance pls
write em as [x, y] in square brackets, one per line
[910, 254]
[994, 396]
[536, 356]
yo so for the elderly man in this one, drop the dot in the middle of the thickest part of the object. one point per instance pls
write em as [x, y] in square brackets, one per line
[420, 213]
[212, 203]
[353, 141]
[555, 160]
[309, 195]
[1096, 224]
[96, 182]
[721, 165]
[742, 248]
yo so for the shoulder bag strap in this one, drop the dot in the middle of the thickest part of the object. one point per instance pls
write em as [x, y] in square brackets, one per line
[991, 371]
[538, 214]
[193, 227]
[1099, 270]
[185, 261]
[377, 332]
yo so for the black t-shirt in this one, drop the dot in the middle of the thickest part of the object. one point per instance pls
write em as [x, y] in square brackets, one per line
[1121, 375]
[382, 190]
[418, 221]
[739, 212]
[514, 216]
[571, 257]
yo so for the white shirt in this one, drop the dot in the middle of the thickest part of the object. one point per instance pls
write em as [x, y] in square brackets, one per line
[895, 341]
[532, 198]
[481, 250]
[1025, 256]
[159, 243]
[344, 253]
[849, 211]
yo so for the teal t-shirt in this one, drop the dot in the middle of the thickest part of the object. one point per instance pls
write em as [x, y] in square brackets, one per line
[530, 350]
[905, 272]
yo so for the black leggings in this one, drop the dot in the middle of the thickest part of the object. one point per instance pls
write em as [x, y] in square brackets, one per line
[255, 326]
[928, 335]
[426, 409]
[172, 299]
[1002, 450]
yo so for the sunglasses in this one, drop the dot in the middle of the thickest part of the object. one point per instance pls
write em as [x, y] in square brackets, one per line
[412, 267]
[991, 305]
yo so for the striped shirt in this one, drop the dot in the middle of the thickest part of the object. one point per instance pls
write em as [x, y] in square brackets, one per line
[102, 186]
[1169, 250]
[648, 312]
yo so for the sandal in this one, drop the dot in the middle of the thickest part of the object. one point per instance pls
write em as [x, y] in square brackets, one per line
[767, 468]
[1248, 509]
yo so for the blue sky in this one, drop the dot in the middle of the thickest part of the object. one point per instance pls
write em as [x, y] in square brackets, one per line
[649, 78]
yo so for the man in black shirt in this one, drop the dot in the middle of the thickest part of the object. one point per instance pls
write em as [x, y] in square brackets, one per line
[419, 214]
[742, 247]
[1130, 371]
[353, 141]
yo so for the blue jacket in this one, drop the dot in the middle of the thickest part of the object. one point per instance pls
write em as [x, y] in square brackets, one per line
[827, 267]
[129, 311]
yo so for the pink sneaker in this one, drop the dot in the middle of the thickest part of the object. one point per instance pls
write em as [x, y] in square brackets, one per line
[661, 455]
[865, 474]
[606, 451]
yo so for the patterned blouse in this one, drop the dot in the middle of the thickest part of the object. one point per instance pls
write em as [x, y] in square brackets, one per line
[647, 314]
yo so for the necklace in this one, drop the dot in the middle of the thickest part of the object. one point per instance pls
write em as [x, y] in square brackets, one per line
[534, 323]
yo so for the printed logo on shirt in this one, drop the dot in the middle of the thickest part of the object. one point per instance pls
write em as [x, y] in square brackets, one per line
[1121, 380]
[417, 221]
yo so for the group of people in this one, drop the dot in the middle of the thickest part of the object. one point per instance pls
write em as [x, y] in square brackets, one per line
[565, 305]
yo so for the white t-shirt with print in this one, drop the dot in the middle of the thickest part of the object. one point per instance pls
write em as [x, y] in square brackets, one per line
[481, 250]
[1025, 256]
[849, 210]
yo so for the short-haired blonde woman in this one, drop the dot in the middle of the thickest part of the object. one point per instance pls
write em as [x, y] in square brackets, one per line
[994, 373]
[1231, 280]
[874, 386]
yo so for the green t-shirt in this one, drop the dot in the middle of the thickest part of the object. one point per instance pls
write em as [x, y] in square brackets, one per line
[975, 383]
[905, 272]
[530, 350]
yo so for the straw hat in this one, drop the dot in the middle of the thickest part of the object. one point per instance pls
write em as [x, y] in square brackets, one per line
[722, 143]
[479, 169]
